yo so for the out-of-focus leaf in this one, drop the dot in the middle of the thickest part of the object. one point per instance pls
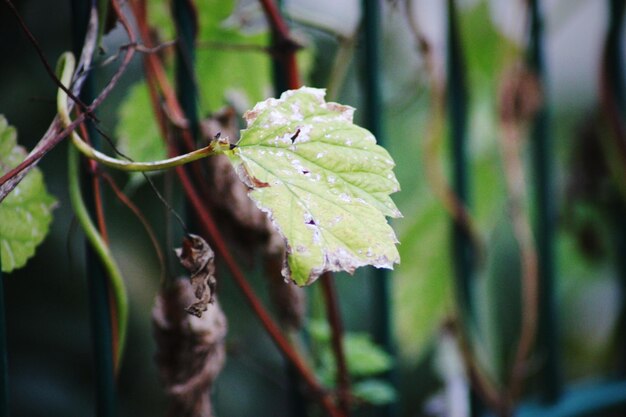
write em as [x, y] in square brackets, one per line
[319, 330]
[364, 357]
[324, 182]
[160, 18]
[231, 66]
[26, 213]
[423, 282]
[137, 132]
[374, 391]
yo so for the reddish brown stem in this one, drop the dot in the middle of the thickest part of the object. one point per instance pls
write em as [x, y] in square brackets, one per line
[283, 47]
[146, 225]
[275, 19]
[336, 325]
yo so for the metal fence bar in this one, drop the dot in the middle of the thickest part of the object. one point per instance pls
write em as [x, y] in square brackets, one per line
[4, 353]
[614, 71]
[97, 283]
[381, 284]
[547, 338]
[596, 400]
[457, 108]
[457, 116]
[184, 15]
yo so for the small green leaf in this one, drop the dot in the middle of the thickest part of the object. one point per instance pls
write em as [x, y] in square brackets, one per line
[137, 132]
[26, 213]
[374, 391]
[323, 181]
[364, 357]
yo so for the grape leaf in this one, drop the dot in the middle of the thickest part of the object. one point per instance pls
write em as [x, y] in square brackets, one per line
[26, 213]
[323, 181]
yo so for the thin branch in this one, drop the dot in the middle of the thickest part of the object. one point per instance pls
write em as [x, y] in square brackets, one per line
[52, 137]
[43, 59]
[283, 47]
[144, 222]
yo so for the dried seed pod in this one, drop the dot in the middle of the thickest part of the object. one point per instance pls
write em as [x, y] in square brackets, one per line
[196, 256]
[190, 350]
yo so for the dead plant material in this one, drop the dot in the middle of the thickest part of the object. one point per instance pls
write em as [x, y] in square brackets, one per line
[520, 96]
[288, 299]
[190, 350]
[196, 256]
[238, 214]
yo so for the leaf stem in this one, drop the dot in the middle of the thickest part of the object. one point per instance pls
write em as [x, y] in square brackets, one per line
[66, 65]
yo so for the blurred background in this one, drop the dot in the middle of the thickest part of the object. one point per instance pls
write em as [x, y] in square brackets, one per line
[48, 331]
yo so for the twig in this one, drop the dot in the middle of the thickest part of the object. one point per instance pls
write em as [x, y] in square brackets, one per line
[43, 59]
[144, 222]
[52, 137]
[283, 47]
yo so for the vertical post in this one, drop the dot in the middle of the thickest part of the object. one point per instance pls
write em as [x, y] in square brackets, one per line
[4, 363]
[185, 16]
[97, 284]
[381, 288]
[457, 116]
[544, 219]
[462, 250]
[613, 70]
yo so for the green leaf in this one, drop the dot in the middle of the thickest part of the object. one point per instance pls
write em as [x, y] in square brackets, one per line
[364, 357]
[26, 213]
[323, 181]
[423, 283]
[374, 391]
[229, 68]
[137, 132]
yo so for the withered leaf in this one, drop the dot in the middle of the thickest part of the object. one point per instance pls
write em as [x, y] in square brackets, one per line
[196, 256]
[190, 350]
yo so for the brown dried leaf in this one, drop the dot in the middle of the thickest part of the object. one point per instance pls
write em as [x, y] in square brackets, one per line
[190, 350]
[239, 216]
[196, 256]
